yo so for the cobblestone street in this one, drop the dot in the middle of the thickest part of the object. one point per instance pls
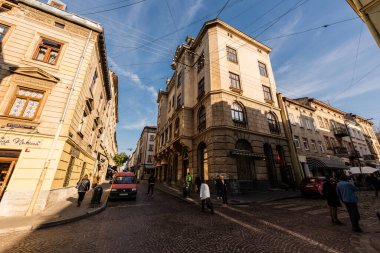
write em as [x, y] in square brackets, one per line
[165, 223]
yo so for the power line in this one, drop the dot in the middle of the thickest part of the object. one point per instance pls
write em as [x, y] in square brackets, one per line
[111, 9]
[101, 5]
[221, 10]
[310, 29]
[172, 17]
[356, 56]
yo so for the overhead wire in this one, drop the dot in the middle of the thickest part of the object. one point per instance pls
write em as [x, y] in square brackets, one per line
[222, 9]
[112, 9]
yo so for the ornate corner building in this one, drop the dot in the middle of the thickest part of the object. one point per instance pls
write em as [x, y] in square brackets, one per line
[58, 104]
[219, 113]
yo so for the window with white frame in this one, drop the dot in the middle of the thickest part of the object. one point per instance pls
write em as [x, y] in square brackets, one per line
[314, 145]
[237, 112]
[320, 144]
[291, 119]
[234, 81]
[300, 122]
[308, 125]
[297, 141]
[306, 143]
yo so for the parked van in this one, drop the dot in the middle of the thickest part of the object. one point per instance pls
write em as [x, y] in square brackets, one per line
[124, 185]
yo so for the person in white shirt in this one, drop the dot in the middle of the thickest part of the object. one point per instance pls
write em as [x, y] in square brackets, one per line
[205, 197]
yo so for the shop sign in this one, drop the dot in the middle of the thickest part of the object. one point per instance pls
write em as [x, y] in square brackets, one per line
[20, 126]
[5, 141]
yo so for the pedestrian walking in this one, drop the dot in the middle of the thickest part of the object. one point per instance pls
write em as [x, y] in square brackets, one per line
[83, 186]
[374, 183]
[218, 186]
[329, 191]
[205, 197]
[198, 183]
[188, 182]
[151, 182]
[347, 194]
[223, 188]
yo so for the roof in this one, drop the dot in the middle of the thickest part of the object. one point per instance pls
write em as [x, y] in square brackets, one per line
[307, 100]
[298, 103]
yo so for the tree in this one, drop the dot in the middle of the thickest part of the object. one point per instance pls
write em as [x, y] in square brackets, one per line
[120, 158]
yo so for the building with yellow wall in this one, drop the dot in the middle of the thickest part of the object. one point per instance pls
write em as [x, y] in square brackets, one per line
[57, 100]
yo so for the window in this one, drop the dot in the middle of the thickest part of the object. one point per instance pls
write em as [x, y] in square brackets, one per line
[305, 143]
[179, 100]
[25, 103]
[151, 138]
[267, 93]
[272, 123]
[327, 142]
[180, 78]
[314, 145]
[176, 127]
[234, 81]
[297, 141]
[56, 5]
[291, 119]
[170, 133]
[94, 78]
[231, 55]
[3, 31]
[315, 125]
[149, 159]
[320, 121]
[300, 122]
[326, 123]
[263, 69]
[201, 62]
[201, 88]
[201, 118]
[173, 102]
[5, 7]
[332, 140]
[237, 113]
[150, 147]
[321, 147]
[308, 125]
[48, 51]
[82, 122]
[59, 25]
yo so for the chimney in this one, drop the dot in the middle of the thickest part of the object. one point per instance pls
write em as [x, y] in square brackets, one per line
[57, 4]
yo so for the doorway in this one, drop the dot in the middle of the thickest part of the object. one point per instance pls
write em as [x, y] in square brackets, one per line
[8, 160]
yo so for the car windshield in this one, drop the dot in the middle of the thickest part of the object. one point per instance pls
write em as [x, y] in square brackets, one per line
[124, 180]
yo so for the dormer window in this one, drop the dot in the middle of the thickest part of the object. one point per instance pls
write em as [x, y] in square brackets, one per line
[57, 4]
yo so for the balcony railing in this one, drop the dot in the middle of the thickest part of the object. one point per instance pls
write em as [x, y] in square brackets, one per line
[369, 157]
[240, 124]
[340, 151]
[341, 131]
[355, 154]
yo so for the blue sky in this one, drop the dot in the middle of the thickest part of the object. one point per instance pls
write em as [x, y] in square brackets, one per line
[339, 64]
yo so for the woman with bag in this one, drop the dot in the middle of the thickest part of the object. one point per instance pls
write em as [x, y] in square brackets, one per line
[83, 186]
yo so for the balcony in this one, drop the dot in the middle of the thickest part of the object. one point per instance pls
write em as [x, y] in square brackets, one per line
[240, 124]
[341, 131]
[355, 154]
[369, 157]
[340, 151]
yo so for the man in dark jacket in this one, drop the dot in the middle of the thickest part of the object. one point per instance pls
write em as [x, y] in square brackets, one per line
[151, 181]
[83, 186]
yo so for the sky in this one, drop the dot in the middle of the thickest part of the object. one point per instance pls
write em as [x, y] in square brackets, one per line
[320, 49]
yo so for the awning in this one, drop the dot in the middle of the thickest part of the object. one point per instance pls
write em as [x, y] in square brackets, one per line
[238, 152]
[325, 162]
[364, 170]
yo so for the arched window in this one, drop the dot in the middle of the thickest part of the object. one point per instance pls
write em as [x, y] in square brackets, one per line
[273, 123]
[237, 112]
[201, 118]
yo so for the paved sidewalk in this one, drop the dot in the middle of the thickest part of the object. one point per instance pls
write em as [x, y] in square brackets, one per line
[60, 213]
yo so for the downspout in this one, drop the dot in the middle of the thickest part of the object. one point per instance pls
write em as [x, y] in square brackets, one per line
[57, 134]
[368, 21]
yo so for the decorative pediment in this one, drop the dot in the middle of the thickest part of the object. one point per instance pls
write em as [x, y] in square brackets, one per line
[34, 72]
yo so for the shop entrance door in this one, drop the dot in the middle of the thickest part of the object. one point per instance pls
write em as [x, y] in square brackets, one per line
[6, 168]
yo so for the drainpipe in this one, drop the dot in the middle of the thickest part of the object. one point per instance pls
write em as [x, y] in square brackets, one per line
[364, 15]
[57, 134]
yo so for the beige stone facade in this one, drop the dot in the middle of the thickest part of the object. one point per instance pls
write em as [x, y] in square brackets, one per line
[142, 159]
[326, 139]
[49, 59]
[219, 113]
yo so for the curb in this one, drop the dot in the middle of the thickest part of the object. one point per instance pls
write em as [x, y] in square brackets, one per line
[57, 222]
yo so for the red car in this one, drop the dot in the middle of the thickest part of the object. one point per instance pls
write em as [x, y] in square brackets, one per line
[123, 186]
[312, 186]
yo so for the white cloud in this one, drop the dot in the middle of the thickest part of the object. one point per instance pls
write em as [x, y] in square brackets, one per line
[137, 124]
[135, 79]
